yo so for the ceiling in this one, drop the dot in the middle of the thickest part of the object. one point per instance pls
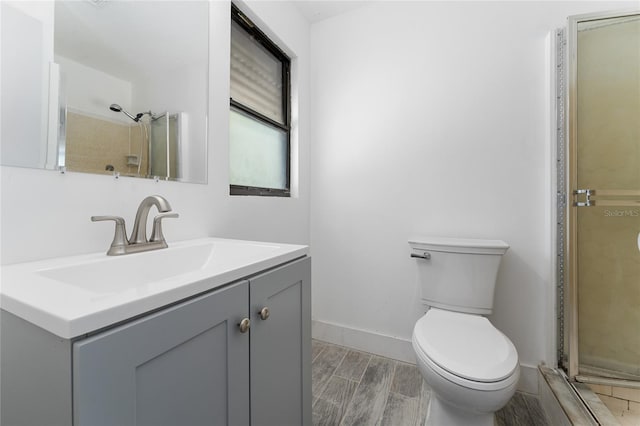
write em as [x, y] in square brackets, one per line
[318, 10]
[126, 39]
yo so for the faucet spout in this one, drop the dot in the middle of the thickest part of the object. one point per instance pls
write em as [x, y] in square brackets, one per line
[139, 233]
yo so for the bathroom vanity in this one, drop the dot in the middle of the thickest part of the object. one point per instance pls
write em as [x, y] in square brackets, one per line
[225, 341]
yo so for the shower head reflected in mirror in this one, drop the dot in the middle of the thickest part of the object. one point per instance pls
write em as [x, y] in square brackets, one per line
[118, 108]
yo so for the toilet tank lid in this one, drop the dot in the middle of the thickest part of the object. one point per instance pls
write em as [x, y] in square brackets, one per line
[466, 345]
[458, 245]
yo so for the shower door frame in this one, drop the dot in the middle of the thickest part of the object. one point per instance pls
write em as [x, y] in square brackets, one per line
[571, 272]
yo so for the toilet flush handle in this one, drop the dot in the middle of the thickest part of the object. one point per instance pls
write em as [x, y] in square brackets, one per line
[426, 255]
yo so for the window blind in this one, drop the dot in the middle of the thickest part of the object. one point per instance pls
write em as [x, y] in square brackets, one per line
[256, 76]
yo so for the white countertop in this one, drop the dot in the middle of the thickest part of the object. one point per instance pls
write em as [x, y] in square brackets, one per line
[75, 295]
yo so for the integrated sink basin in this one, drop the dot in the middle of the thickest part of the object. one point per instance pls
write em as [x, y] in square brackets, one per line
[110, 275]
[76, 295]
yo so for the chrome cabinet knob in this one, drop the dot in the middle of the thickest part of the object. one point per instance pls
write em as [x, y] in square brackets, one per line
[244, 325]
[264, 313]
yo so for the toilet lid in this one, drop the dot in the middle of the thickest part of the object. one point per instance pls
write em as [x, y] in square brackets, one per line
[466, 345]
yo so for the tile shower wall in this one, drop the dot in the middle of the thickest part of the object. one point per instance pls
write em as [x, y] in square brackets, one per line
[624, 403]
[93, 143]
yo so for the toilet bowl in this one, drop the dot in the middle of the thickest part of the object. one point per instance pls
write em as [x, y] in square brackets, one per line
[471, 367]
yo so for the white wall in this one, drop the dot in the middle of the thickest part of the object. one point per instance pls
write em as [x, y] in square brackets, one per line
[46, 214]
[91, 91]
[27, 49]
[432, 118]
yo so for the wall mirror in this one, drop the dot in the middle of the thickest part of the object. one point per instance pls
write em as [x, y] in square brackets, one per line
[126, 90]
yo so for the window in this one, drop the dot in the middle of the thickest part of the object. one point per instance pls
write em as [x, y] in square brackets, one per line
[259, 128]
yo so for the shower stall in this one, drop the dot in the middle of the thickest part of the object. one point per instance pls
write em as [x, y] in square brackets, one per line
[599, 201]
[162, 135]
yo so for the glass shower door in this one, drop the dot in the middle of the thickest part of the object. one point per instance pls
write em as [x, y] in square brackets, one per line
[605, 175]
[164, 146]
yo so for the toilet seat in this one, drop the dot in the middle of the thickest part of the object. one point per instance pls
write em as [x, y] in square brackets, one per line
[465, 349]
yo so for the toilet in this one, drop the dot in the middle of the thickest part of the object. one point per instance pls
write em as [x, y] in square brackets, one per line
[471, 367]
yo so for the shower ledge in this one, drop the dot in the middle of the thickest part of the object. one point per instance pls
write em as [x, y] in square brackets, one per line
[573, 399]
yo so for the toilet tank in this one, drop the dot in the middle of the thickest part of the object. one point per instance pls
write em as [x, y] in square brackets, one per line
[457, 274]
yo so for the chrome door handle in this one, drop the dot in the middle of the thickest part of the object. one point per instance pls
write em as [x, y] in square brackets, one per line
[606, 197]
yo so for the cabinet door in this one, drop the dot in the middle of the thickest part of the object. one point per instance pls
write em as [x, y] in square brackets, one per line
[185, 365]
[280, 349]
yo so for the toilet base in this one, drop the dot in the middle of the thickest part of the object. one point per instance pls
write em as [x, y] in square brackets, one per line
[440, 413]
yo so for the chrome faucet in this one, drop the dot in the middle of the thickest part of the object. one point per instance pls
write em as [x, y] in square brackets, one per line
[139, 233]
[138, 241]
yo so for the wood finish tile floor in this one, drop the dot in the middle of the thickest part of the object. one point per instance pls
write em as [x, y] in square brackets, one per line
[357, 388]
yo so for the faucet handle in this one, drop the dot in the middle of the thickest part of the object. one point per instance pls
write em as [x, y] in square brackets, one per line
[120, 242]
[156, 232]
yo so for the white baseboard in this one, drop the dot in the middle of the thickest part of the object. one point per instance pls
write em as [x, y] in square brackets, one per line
[364, 340]
[395, 348]
[529, 380]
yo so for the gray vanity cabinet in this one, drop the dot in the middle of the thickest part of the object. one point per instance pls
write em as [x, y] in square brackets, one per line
[182, 365]
[191, 364]
[185, 365]
[280, 346]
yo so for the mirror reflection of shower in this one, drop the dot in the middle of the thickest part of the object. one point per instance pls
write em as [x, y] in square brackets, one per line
[161, 135]
[118, 108]
[131, 160]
